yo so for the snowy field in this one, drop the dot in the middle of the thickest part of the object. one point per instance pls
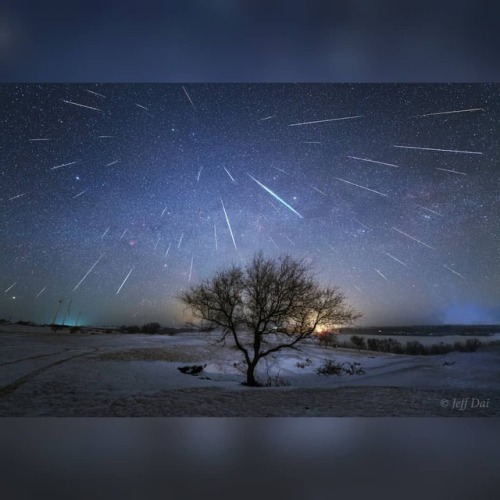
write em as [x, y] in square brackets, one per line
[92, 373]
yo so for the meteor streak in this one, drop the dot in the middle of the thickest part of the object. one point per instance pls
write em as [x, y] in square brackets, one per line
[373, 161]
[143, 107]
[444, 150]
[215, 236]
[180, 240]
[452, 171]
[88, 272]
[79, 194]
[366, 227]
[414, 239]
[267, 118]
[112, 163]
[33, 140]
[429, 210]
[281, 170]
[64, 165]
[274, 243]
[187, 95]
[276, 196]
[95, 93]
[105, 232]
[190, 269]
[387, 279]
[40, 292]
[81, 105]
[11, 286]
[199, 173]
[323, 121]
[227, 171]
[394, 258]
[311, 142]
[449, 112]
[18, 196]
[357, 288]
[274, 206]
[316, 189]
[168, 250]
[229, 225]
[362, 187]
[157, 241]
[164, 210]
[123, 234]
[454, 272]
[126, 278]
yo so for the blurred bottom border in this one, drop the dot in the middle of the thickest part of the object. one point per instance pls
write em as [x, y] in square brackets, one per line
[227, 457]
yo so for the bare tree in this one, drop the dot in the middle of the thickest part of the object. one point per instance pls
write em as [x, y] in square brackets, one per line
[269, 305]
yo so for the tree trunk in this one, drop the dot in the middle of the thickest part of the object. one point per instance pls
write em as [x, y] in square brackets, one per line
[250, 375]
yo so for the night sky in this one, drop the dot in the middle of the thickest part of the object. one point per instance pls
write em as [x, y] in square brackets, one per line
[118, 196]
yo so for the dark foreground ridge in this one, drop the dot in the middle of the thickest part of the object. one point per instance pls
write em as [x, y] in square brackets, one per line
[213, 402]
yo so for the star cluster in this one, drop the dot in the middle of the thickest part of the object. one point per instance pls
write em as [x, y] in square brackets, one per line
[115, 197]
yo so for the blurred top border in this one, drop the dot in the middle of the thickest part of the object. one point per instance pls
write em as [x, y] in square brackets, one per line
[248, 41]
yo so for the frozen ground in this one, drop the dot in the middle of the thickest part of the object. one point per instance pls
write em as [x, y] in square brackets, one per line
[105, 374]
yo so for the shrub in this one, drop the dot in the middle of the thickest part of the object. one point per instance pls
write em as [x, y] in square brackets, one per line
[303, 364]
[397, 347]
[329, 367]
[415, 347]
[471, 345]
[440, 348]
[132, 329]
[151, 327]
[358, 342]
[276, 381]
[191, 370]
[352, 368]
[327, 340]
[373, 344]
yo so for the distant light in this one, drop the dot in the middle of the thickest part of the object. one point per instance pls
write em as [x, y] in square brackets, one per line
[13, 298]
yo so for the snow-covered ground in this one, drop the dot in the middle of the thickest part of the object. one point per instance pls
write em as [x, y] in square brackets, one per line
[92, 373]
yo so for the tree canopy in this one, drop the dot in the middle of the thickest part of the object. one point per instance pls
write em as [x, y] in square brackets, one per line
[266, 306]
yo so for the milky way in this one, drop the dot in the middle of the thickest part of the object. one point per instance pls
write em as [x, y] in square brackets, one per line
[116, 197]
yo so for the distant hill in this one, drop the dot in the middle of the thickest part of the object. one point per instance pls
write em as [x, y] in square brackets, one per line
[422, 330]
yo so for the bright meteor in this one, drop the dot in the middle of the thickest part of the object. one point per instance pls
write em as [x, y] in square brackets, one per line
[126, 278]
[323, 121]
[414, 239]
[81, 105]
[88, 272]
[444, 150]
[362, 187]
[229, 225]
[373, 161]
[272, 193]
[449, 112]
